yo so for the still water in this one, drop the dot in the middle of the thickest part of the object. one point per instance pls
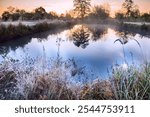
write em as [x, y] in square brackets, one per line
[95, 47]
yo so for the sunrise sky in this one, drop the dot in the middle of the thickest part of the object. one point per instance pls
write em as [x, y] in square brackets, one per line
[61, 6]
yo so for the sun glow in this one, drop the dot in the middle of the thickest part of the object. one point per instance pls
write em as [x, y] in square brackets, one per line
[61, 6]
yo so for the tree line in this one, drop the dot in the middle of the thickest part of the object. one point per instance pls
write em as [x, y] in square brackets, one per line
[20, 14]
[82, 10]
[130, 11]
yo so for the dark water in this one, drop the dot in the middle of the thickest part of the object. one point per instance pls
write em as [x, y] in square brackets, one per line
[96, 47]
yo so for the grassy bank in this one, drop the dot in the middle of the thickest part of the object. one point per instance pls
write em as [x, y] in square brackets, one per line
[142, 29]
[57, 82]
[13, 32]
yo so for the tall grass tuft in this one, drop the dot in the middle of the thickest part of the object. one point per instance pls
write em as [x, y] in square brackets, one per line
[131, 84]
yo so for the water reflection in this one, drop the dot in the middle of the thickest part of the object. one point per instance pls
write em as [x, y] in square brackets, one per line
[13, 45]
[80, 35]
[98, 32]
[125, 36]
[5, 48]
[94, 47]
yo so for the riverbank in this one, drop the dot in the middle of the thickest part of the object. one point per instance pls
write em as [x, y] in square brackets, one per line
[58, 83]
[138, 23]
[31, 23]
[141, 28]
[17, 30]
[13, 30]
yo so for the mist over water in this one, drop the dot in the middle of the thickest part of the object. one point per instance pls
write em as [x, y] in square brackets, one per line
[92, 47]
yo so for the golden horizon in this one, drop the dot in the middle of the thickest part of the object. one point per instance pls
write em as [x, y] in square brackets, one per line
[60, 6]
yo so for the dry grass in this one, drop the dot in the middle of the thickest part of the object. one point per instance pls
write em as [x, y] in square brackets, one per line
[57, 83]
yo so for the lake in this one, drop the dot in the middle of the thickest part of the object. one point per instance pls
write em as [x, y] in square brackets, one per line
[97, 48]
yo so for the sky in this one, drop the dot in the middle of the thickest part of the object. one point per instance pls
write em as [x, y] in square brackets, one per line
[61, 6]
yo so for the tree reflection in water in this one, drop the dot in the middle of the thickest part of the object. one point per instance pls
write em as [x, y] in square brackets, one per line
[82, 34]
[6, 47]
[98, 32]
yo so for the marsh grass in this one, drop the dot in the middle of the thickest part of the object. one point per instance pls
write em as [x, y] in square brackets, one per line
[132, 83]
[25, 80]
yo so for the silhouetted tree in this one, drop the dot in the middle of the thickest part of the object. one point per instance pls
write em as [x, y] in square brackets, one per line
[28, 16]
[39, 13]
[6, 16]
[62, 15]
[68, 15]
[13, 14]
[130, 9]
[82, 8]
[100, 12]
[52, 15]
[119, 16]
[146, 17]
[22, 14]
